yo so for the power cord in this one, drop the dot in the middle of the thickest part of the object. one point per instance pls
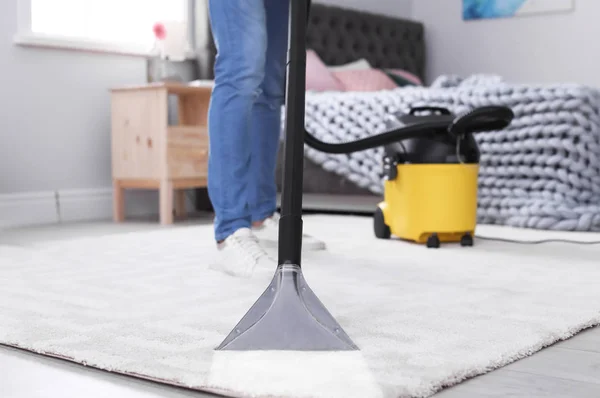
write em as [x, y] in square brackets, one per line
[539, 242]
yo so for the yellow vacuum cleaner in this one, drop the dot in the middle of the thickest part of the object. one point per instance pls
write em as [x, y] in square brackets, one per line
[430, 192]
[429, 203]
[431, 166]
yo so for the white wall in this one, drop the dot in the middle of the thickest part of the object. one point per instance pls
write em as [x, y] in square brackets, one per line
[396, 8]
[54, 118]
[541, 48]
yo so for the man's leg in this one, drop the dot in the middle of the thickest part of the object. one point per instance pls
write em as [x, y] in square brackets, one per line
[239, 31]
[265, 127]
[266, 130]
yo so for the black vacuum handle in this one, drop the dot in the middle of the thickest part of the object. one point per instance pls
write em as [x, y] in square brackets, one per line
[478, 120]
[439, 109]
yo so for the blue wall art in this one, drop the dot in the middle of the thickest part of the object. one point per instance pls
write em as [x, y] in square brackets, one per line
[490, 9]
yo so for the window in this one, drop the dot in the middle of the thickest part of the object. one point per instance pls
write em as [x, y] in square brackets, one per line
[122, 26]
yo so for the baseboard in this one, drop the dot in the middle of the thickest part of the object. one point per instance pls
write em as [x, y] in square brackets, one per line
[75, 205]
[96, 204]
[28, 208]
[84, 204]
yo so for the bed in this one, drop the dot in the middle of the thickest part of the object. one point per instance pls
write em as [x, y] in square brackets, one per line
[341, 36]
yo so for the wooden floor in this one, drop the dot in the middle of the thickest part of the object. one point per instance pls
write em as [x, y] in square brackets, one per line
[570, 369]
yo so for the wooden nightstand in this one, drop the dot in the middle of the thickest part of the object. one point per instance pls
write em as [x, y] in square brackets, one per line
[148, 153]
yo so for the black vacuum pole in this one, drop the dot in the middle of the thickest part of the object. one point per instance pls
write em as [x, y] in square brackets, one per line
[290, 223]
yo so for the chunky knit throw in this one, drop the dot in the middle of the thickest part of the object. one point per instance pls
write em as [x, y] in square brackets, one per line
[542, 172]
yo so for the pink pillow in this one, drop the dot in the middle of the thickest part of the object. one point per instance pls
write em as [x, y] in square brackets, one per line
[318, 76]
[364, 80]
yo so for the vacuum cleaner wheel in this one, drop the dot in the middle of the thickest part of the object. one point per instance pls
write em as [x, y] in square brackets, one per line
[382, 231]
[466, 240]
[433, 242]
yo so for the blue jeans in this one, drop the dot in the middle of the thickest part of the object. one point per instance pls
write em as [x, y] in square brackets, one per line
[244, 120]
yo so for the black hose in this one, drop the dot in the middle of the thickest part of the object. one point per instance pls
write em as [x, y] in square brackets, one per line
[387, 137]
[488, 118]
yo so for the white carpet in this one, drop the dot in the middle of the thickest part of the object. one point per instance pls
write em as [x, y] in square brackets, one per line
[145, 304]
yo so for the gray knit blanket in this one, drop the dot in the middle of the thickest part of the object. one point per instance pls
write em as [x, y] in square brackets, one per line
[542, 172]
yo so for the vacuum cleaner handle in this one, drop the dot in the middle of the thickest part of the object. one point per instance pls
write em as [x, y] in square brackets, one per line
[485, 118]
[443, 111]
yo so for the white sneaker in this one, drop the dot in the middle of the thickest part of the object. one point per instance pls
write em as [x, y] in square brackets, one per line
[268, 235]
[241, 255]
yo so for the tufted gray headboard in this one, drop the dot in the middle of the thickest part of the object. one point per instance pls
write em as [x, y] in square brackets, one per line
[341, 35]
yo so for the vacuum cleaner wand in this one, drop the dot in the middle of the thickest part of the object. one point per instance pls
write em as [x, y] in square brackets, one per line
[288, 315]
[290, 223]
